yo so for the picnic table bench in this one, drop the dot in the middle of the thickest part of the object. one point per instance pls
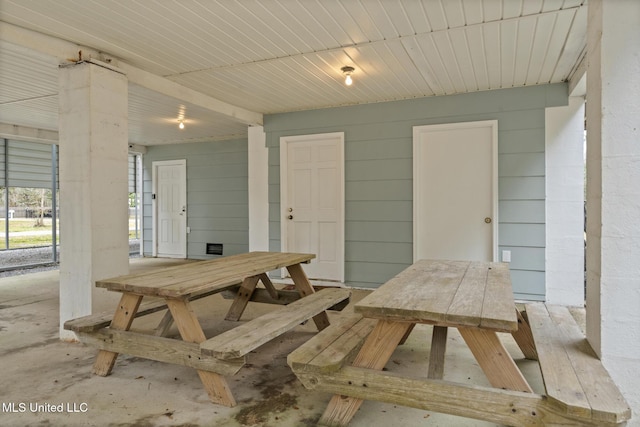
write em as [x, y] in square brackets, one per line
[176, 287]
[347, 358]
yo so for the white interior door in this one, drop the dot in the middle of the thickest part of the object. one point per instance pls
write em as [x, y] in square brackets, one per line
[455, 191]
[170, 212]
[312, 201]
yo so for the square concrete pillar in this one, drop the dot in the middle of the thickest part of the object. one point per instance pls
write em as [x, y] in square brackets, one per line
[564, 171]
[93, 157]
[613, 191]
[258, 190]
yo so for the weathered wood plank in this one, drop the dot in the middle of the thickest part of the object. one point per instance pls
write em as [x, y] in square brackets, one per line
[606, 401]
[374, 354]
[263, 296]
[303, 286]
[215, 384]
[230, 271]
[498, 306]
[161, 277]
[437, 352]
[466, 306]
[524, 338]
[160, 349]
[242, 299]
[244, 338]
[483, 403]
[164, 325]
[158, 278]
[494, 359]
[446, 293]
[122, 319]
[261, 262]
[199, 276]
[273, 292]
[334, 346]
[284, 297]
[407, 334]
[422, 292]
[560, 380]
[93, 322]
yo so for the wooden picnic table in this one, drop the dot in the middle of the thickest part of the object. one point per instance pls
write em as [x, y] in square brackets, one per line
[347, 358]
[474, 297]
[175, 288]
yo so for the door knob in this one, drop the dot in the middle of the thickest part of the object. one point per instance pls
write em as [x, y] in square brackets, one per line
[487, 220]
[290, 217]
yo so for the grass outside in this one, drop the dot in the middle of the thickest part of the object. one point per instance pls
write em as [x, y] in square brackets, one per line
[25, 224]
[28, 225]
[27, 242]
[43, 236]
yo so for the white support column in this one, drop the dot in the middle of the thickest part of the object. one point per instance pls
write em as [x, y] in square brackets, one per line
[258, 190]
[564, 161]
[613, 191]
[93, 184]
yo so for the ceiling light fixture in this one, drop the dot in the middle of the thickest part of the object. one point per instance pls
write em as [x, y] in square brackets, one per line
[347, 70]
[181, 124]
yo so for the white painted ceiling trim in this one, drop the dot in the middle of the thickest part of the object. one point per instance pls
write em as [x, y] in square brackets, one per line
[218, 67]
[61, 50]
[67, 52]
[24, 133]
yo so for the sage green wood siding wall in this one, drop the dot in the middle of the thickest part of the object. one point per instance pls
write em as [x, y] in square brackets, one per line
[217, 194]
[379, 176]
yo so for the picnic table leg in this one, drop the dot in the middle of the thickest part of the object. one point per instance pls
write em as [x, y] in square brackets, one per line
[273, 292]
[122, 319]
[406, 335]
[494, 359]
[304, 288]
[242, 298]
[374, 354]
[524, 338]
[165, 324]
[190, 330]
[436, 355]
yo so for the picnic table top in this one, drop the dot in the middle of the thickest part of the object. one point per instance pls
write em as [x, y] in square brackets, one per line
[202, 276]
[447, 293]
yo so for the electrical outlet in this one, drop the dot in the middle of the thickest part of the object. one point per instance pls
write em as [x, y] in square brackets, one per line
[506, 256]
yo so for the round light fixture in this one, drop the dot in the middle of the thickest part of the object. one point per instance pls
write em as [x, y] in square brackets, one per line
[347, 71]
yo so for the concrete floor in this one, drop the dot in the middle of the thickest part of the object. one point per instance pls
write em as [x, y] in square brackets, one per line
[39, 369]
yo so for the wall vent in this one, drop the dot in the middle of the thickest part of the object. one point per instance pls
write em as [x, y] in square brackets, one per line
[214, 248]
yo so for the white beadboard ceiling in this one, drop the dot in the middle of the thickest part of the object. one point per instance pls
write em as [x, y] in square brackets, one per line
[273, 56]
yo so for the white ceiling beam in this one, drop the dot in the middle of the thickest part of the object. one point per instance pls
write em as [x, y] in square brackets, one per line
[175, 90]
[137, 149]
[578, 79]
[67, 52]
[24, 133]
[62, 50]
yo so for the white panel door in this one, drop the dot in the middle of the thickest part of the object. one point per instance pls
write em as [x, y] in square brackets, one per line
[170, 221]
[313, 202]
[455, 191]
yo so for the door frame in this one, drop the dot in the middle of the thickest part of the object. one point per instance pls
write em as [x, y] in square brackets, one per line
[154, 203]
[284, 165]
[418, 132]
